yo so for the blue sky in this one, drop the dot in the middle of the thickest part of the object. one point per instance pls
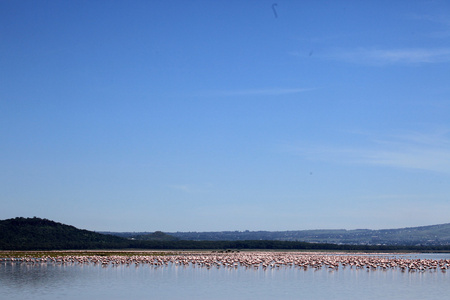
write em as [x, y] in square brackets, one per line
[225, 115]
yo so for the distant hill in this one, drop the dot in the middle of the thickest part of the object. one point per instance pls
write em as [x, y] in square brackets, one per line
[143, 236]
[42, 234]
[433, 235]
[155, 236]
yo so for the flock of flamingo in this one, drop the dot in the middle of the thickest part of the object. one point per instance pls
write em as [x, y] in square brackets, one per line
[253, 260]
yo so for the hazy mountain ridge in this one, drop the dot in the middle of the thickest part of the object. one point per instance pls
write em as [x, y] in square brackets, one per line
[422, 235]
[42, 234]
[155, 236]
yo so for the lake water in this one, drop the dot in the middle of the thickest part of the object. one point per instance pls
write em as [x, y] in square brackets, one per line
[171, 281]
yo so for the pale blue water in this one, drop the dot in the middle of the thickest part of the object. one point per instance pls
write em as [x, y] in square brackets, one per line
[77, 281]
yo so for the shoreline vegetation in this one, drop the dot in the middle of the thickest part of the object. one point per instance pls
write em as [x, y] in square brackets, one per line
[41, 234]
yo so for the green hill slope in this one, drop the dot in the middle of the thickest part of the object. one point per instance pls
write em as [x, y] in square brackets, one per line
[43, 234]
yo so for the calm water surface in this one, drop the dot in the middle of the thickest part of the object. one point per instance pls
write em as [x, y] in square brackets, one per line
[88, 281]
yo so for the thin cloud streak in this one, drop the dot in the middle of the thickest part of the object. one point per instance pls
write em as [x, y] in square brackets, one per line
[439, 19]
[402, 197]
[412, 151]
[425, 159]
[393, 56]
[258, 92]
[189, 188]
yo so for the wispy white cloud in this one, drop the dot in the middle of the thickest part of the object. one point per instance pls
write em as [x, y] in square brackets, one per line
[409, 157]
[393, 56]
[402, 197]
[439, 19]
[180, 187]
[429, 152]
[257, 92]
[188, 188]
[442, 21]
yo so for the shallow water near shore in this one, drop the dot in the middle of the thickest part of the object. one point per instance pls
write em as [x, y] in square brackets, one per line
[172, 281]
